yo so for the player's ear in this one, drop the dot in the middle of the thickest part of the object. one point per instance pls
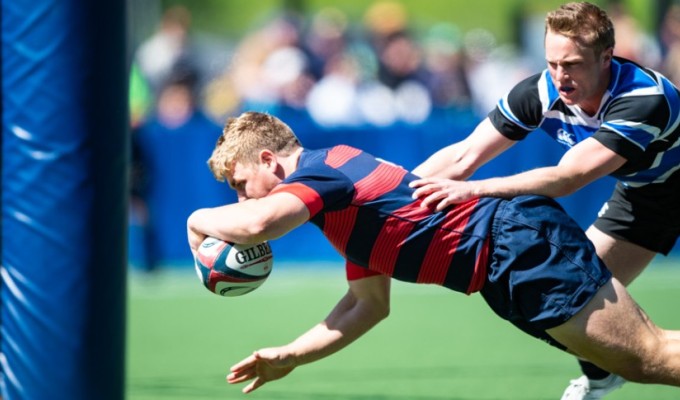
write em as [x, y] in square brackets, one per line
[268, 158]
[607, 55]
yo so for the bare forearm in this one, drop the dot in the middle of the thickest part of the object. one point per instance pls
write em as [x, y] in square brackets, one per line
[251, 221]
[445, 163]
[225, 223]
[346, 323]
[460, 160]
[541, 181]
[364, 305]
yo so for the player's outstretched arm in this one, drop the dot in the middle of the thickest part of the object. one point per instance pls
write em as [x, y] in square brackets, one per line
[582, 164]
[460, 160]
[365, 304]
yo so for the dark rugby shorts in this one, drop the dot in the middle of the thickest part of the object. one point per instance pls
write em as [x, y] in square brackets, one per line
[648, 216]
[542, 269]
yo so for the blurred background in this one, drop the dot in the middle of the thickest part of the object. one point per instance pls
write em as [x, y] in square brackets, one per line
[399, 79]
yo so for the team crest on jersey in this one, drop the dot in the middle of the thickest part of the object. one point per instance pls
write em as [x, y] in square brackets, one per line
[566, 138]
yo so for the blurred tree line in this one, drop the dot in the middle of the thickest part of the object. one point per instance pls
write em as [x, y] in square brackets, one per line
[501, 17]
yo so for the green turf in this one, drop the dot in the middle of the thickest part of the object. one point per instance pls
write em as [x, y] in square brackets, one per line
[436, 344]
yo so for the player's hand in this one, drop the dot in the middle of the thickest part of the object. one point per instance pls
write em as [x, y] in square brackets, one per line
[195, 239]
[439, 193]
[263, 366]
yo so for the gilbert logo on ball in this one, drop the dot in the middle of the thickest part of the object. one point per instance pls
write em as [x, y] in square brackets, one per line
[230, 269]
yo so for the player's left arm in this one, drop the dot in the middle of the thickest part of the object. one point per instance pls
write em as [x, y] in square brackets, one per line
[582, 164]
[249, 221]
[365, 304]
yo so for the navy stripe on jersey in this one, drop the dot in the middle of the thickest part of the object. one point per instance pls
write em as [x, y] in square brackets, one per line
[639, 118]
[382, 227]
[360, 244]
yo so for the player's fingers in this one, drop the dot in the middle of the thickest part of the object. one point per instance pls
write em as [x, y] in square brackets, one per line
[424, 181]
[241, 376]
[443, 203]
[254, 385]
[418, 183]
[248, 362]
[424, 191]
[433, 199]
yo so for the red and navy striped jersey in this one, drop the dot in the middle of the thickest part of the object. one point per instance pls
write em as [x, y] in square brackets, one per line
[365, 208]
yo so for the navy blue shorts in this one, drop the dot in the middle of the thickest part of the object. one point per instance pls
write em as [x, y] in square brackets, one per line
[648, 216]
[542, 268]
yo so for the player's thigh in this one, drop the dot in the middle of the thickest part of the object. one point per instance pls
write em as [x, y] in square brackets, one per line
[611, 331]
[624, 259]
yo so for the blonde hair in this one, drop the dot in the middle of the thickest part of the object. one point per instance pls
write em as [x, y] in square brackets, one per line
[245, 136]
[583, 22]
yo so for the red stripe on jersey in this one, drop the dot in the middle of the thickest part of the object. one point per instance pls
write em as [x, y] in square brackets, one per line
[381, 180]
[309, 196]
[338, 226]
[444, 244]
[479, 274]
[413, 211]
[339, 155]
[386, 247]
[392, 235]
[355, 272]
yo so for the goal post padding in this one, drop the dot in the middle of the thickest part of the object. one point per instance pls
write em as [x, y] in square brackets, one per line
[64, 199]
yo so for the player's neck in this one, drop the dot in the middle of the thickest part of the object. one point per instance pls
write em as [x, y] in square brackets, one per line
[289, 163]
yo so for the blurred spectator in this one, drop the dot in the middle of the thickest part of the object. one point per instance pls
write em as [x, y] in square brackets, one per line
[333, 100]
[326, 39]
[631, 41]
[670, 41]
[157, 56]
[399, 92]
[383, 19]
[173, 145]
[446, 62]
[381, 76]
[492, 70]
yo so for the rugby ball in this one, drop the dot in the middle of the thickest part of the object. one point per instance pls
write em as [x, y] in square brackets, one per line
[230, 269]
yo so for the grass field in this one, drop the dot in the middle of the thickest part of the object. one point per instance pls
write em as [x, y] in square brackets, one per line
[436, 344]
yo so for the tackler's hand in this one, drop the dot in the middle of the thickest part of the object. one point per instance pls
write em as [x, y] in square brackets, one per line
[439, 193]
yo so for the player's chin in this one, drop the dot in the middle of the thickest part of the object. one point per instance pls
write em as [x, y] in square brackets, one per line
[569, 97]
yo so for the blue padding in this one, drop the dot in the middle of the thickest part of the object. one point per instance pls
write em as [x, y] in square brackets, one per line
[64, 162]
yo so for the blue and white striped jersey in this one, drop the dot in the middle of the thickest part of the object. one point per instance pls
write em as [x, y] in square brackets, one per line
[639, 119]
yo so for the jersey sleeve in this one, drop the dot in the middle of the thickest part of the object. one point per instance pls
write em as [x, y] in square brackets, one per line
[321, 189]
[631, 123]
[519, 112]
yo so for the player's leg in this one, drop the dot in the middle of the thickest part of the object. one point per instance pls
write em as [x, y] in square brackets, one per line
[632, 227]
[624, 259]
[614, 333]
